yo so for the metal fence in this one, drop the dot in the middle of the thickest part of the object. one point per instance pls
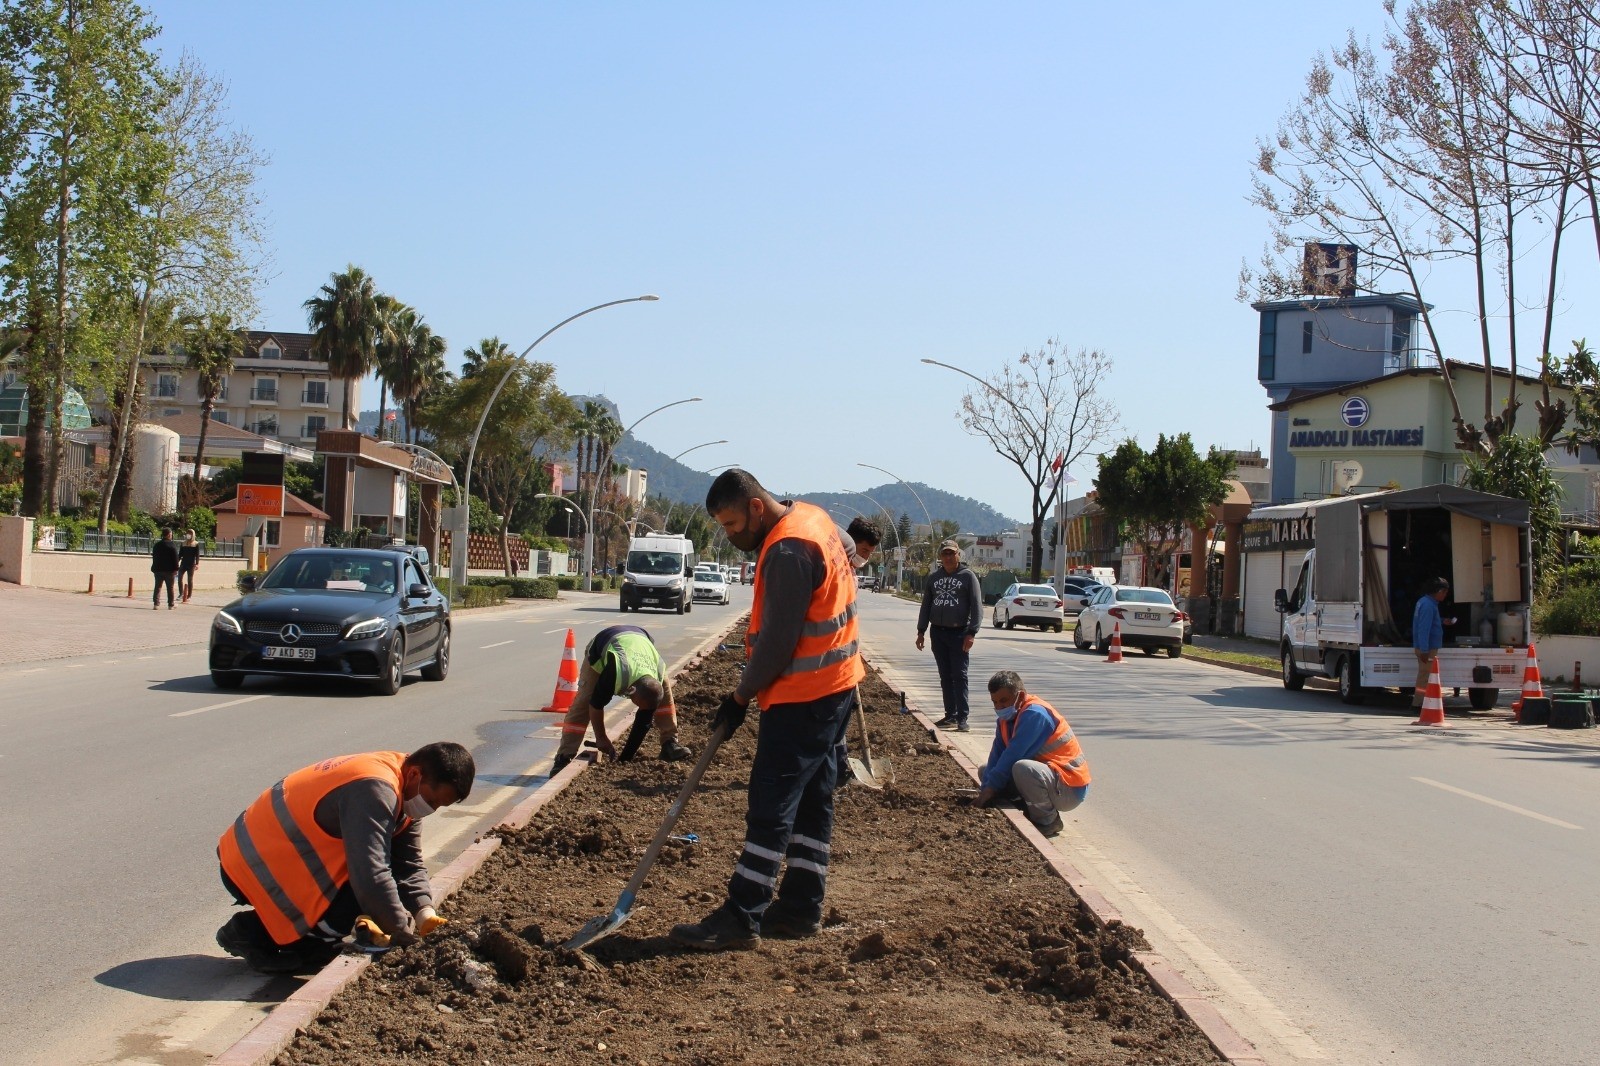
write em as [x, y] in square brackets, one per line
[126, 544]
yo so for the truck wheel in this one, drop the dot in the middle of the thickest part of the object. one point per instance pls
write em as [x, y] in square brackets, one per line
[1483, 699]
[1293, 679]
[1350, 690]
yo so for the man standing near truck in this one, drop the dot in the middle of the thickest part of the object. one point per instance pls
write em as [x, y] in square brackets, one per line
[1427, 633]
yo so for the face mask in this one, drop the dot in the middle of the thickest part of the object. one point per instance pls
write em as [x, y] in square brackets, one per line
[749, 539]
[1005, 712]
[860, 560]
[417, 808]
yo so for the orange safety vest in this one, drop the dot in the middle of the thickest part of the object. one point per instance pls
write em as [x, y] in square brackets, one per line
[1060, 751]
[283, 862]
[827, 658]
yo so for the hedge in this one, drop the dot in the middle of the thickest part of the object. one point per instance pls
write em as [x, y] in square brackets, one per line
[484, 595]
[519, 588]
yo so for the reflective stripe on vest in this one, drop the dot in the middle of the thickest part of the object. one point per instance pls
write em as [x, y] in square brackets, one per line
[826, 658]
[1060, 751]
[286, 865]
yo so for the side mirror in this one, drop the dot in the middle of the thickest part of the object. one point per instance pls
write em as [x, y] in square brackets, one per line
[248, 582]
[417, 592]
[1280, 600]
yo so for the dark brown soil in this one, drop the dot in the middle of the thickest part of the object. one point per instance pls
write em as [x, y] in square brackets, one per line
[947, 938]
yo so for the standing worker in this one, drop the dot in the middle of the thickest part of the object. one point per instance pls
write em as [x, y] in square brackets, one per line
[803, 664]
[331, 843]
[164, 565]
[1035, 754]
[188, 563]
[1427, 633]
[952, 603]
[621, 661]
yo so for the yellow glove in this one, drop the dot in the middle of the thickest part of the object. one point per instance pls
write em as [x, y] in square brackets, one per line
[367, 934]
[428, 920]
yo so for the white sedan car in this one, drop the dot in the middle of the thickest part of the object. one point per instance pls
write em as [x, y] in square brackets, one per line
[1148, 617]
[712, 588]
[1032, 605]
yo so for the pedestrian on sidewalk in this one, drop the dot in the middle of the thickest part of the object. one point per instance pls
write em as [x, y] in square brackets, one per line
[334, 842]
[621, 661]
[1035, 756]
[188, 563]
[952, 606]
[164, 565]
[803, 663]
[1427, 633]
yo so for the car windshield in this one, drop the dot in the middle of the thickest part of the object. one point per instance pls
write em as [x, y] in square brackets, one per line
[1143, 596]
[333, 573]
[710, 579]
[1036, 590]
[654, 563]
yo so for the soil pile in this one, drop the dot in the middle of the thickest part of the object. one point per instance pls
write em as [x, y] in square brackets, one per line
[947, 938]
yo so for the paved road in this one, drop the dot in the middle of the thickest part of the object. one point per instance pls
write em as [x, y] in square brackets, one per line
[1354, 890]
[118, 772]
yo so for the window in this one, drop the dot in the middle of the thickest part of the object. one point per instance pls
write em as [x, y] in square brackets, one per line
[219, 416]
[267, 427]
[167, 386]
[316, 392]
[314, 424]
[1267, 348]
[170, 412]
[270, 350]
[270, 533]
[1305, 338]
[266, 390]
[222, 389]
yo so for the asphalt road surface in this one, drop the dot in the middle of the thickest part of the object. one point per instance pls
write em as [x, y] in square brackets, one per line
[1353, 890]
[118, 773]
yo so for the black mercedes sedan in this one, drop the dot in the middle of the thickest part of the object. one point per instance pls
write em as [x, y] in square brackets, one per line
[352, 613]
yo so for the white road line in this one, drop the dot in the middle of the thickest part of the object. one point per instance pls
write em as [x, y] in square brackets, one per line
[35, 670]
[1264, 729]
[502, 644]
[219, 706]
[1496, 803]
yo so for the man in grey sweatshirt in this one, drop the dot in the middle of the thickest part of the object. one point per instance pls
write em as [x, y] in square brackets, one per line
[952, 604]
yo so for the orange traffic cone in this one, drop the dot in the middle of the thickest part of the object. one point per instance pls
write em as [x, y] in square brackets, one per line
[1433, 702]
[1531, 685]
[1115, 655]
[567, 680]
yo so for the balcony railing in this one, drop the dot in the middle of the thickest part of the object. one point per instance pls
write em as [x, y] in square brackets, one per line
[310, 430]
[266, 429]
[263, 394]
[315, 396]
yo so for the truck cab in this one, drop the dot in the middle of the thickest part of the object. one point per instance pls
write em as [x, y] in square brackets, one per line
[659, 573]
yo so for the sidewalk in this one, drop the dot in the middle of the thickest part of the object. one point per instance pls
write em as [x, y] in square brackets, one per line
[46, 624]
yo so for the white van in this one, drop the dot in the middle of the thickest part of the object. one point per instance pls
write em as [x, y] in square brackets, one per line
[1103, 574]
[659, 573]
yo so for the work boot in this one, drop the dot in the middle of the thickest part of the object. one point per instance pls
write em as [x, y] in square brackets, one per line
[560, 764]
[672, 751]
[723, 930]
[1051, 828]
[787, 924]
[243, 934]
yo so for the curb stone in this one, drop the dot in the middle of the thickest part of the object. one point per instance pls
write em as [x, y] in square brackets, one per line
[277, 1030]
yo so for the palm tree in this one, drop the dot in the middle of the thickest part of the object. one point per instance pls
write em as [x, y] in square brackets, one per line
[343, 320]
[488, 350]
[386, 354]
[414, 363]
[211, 344]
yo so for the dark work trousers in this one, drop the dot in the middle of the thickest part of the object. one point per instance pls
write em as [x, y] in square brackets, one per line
[790, 817]
[952, 662]
[333, 925]
[164, 579]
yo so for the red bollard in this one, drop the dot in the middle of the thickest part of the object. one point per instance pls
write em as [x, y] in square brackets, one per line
[1577, 677]
[130, 588]
[91, 584]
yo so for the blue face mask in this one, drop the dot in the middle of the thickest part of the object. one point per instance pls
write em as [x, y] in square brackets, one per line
[1005, 712]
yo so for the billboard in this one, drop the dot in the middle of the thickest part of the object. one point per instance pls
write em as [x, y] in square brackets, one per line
[261, 484]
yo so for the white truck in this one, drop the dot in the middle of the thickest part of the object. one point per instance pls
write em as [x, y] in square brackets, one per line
[1348, 615]
[659, 573]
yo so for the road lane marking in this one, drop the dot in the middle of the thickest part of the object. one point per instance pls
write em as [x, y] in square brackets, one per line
[219, 706]
[1497, 803]
[502, 644]
[1264, 729]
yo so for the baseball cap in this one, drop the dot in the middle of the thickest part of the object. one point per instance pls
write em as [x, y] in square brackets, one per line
[949, 546]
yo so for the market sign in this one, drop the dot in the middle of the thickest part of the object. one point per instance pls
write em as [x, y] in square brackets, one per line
[1279, 534]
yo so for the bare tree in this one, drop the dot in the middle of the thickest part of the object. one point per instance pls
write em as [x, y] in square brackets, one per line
[1043, 413]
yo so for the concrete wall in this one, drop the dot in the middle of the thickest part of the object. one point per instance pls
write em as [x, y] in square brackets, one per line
[1558, 654]
[70, 571]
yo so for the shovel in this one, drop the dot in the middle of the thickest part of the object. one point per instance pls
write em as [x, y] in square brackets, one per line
[607, 924]
[862, 768]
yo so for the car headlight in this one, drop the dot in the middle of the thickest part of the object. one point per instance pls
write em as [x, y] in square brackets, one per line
[627, 579]
[675, 584]
[372, 627]
[227, 623]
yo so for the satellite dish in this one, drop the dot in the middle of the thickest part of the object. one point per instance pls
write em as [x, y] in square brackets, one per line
[1347, 474]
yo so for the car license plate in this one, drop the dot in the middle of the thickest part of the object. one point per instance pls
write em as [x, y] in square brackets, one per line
[649, 599]
[1147, 616]
[289, 653]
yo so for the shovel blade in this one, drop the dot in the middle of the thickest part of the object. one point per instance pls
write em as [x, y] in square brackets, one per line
[859, 769]
[597, 929]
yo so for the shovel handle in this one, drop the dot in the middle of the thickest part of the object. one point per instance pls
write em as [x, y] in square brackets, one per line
[861, 725]
[718, 735]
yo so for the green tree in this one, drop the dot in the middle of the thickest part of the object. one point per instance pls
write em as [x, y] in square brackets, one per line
[488, 350]
[410, 362]
[1517, 468]
[1154, 496]
[343, 319]
[211, 344]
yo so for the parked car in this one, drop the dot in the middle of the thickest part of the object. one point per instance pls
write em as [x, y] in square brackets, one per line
[712, 587]
[354, 614]
[867, 582]
[1149, 620]
[1076, 593]
[1032, 605]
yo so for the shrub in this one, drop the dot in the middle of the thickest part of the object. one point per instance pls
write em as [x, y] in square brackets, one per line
[484, 595]
[257, 574]
[1574, 611]
[203, 520]
[567, 582]
[10, 498]
[520, 588]
[143, 525]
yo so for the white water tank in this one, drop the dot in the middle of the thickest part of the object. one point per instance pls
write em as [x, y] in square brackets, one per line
[155, 470]
[1511, 628]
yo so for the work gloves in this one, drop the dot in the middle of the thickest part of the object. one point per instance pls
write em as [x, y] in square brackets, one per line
[367, 934]
[428, 920]
[731, 712]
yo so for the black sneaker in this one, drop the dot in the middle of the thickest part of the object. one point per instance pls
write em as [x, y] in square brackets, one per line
[1051, 828]
[722, 930]
[243, 936]
[949, 721]
[559, 764]
[785, 924]
[963, 727]
[672, 751]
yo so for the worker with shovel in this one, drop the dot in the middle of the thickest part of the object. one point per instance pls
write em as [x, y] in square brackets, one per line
[1035, 756]
[621, 660]
[332, 843]
[803, 664]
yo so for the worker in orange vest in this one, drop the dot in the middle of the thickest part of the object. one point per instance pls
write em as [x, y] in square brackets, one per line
[802, 665]
[1035, 756]
[332, 843]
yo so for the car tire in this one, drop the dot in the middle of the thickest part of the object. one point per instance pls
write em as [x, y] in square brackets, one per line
[394, 667]
[1077, 638]
[1483, 699]
[1350, 690]
[232, 681]
[1151, 652]
[1102, 643]
[997, 618]
[622, 605]
[1175, 651]
[683, 604]
[1293, 679]
[1011, 623]
[439, 669]
[1057, 627]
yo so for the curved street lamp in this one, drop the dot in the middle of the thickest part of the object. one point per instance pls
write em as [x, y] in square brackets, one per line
[433, 562]
[571, 507]
[909, 489]
[594, 490]
[666, 521]
[458, 567]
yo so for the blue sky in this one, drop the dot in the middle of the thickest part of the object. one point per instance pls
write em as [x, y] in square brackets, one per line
[822, 195]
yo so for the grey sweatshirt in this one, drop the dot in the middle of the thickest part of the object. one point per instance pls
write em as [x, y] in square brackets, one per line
[386, 871]
[951, 601]
[791, 570]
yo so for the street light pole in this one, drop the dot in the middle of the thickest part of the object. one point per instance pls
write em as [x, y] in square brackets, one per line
[417, 449]
[572, 508]
[914, 496]
[458, 560]
[594, 490]
[666, 521]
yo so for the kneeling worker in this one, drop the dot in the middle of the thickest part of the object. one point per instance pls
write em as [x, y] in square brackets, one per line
[1034, 754]
[331, 843]
[621, 661]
